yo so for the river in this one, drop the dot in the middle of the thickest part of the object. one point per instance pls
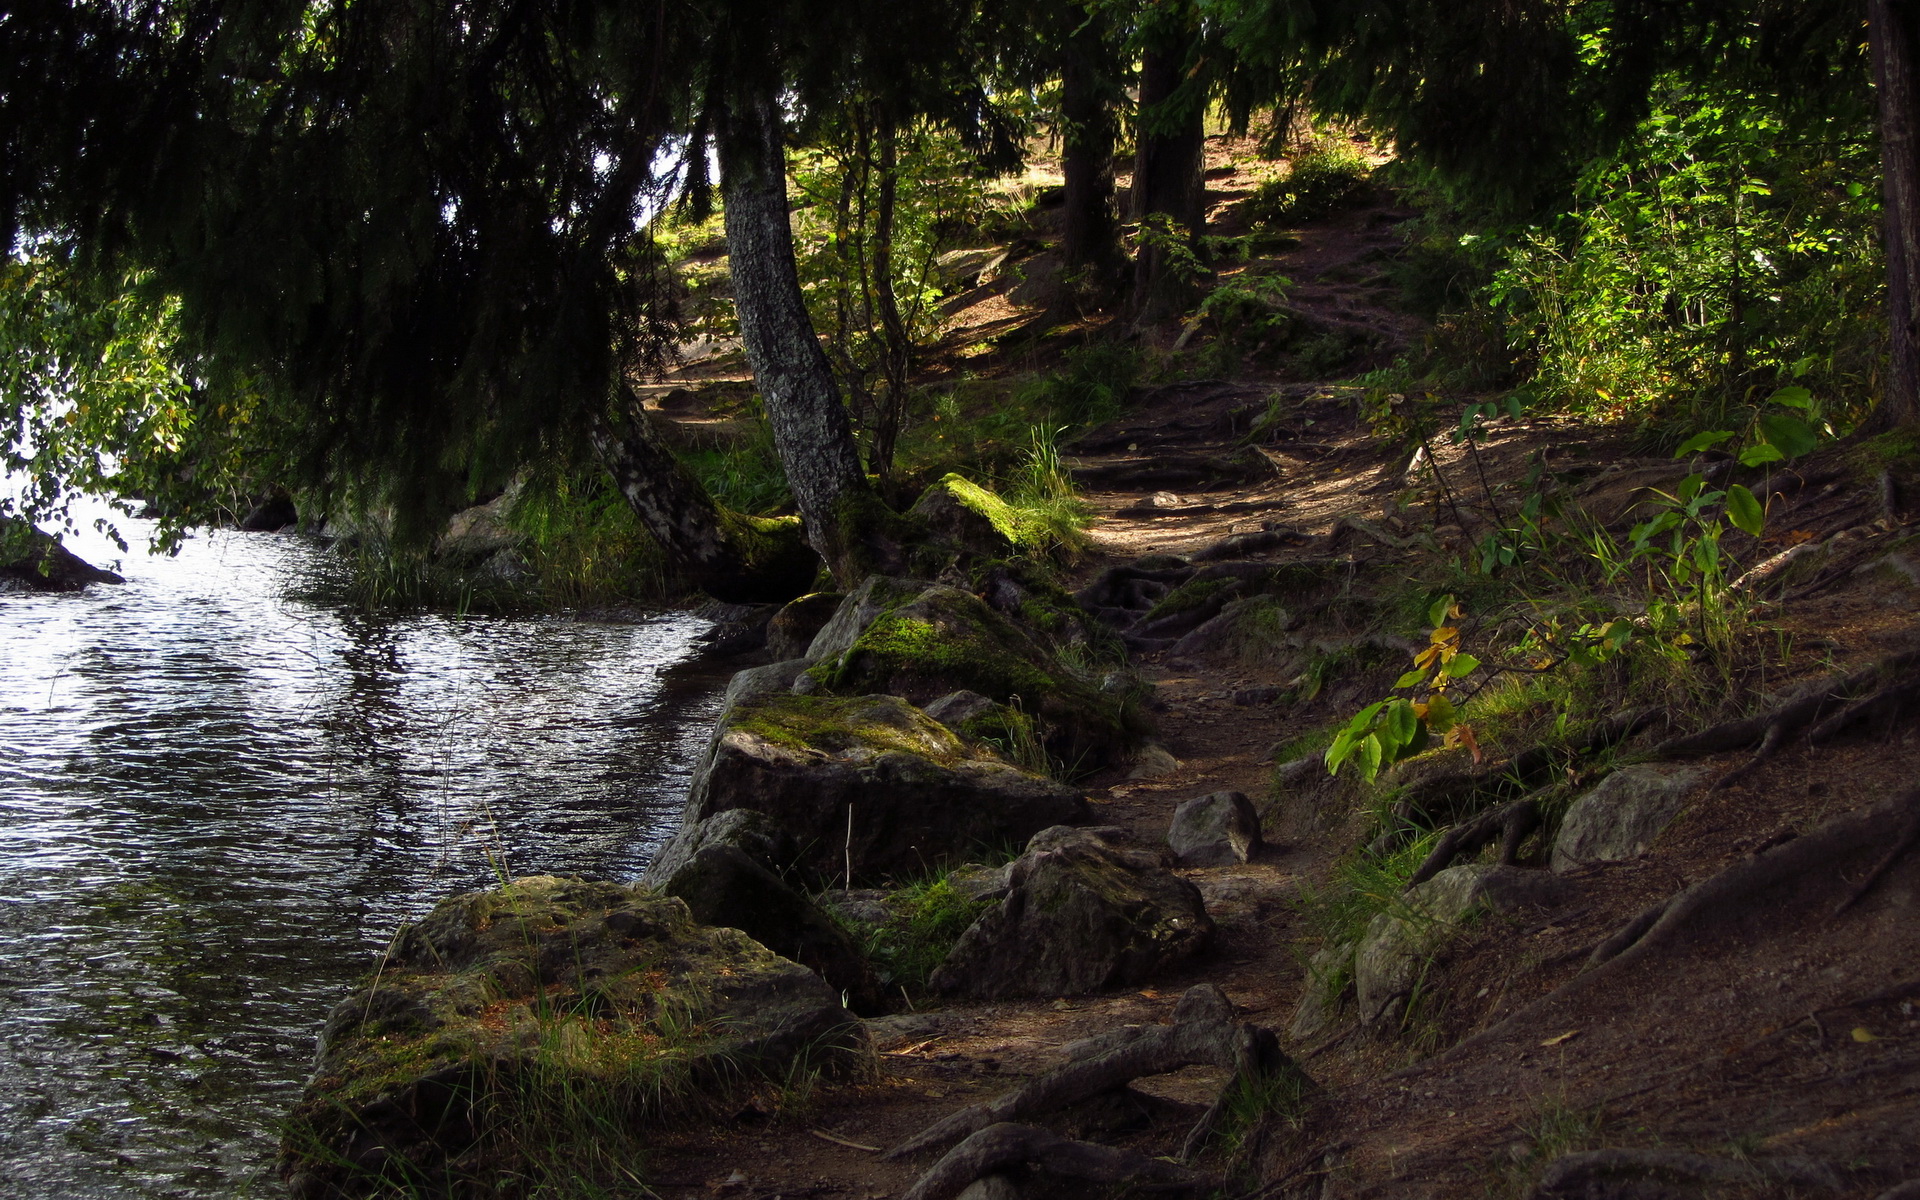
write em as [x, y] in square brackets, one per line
[219, 796]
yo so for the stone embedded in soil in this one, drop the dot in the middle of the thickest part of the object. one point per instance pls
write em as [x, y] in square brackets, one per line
[1081, 915]
[1399, 944]
[1153, 762]
[1215, 829]
[793, 628]
[504, 1005]
[722, 886]
[870, 785]
[1620, 818]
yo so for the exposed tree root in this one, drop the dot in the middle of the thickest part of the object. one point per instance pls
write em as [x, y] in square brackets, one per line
[1510, 822]
[1587, 1172]
[1888, 701]
[1001, 1147]
[1894, 823]
[1806, 705]
[1203, 1032]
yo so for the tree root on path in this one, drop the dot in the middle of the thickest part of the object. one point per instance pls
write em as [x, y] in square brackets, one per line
[1203, 1032]
[999, 1147]
[1510, 822]
[1894, 823]
[1802, 708]
[1587, 1172]
[1820, 855]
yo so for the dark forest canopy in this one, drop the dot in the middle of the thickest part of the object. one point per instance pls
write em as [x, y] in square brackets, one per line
[402, 245]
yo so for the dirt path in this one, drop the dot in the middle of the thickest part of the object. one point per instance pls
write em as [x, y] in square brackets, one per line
[1785, 1035]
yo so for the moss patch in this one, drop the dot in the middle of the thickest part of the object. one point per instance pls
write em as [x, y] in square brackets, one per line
[835, 724]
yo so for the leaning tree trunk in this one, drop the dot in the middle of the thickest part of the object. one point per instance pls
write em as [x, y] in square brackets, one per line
[811, 431]
[1893, 34]
[730, 557]
[1167, 178]
[1086, 158]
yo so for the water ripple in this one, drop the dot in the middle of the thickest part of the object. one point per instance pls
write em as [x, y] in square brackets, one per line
[216, 802]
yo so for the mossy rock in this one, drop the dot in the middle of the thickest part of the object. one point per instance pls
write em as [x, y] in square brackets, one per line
[975, 523]
[945, 640]
[502, 1027]
[870, 784]
[794, 627]
[1081, 915]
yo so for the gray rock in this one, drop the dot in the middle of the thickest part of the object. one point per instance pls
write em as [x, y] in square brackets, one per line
[897, 1028]
[745, 830]
[1620, 818]
[957, 708]
[1153, 761]
[1215, 829]
[723, 886]
[271, 515]
[529, 995]
[1398, 945]
[977, 882]
[473, 535]
[857, 611]
[864, 906]
[870, 780]
[794, 627]
[1081, 915]
[1329, 981]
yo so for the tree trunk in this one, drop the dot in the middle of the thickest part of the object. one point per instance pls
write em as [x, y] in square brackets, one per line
[811, 431]
[1166, 177]
[897, 363]
[1087, 112]
[1893, 34]
[730, 557]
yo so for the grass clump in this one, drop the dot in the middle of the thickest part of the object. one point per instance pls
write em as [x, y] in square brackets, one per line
[928, 917]
[1317, 184]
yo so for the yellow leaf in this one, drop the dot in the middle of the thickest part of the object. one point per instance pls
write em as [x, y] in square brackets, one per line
[1420, 710]
[1561, 1038]
[1426, 657]
[1445, 634]
[1862, 1034]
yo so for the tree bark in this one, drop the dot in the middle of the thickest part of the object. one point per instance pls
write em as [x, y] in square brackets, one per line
[897, 364]
[1166, 174]
[1087, 112]
[721, 553]
[1893, 36]
[811, 430]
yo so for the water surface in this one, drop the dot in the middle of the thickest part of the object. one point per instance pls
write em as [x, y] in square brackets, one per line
[217, 801]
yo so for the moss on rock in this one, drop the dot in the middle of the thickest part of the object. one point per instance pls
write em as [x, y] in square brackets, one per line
[508, 1033]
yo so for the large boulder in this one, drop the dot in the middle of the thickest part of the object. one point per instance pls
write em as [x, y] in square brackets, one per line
[492, 1024]
[722, 885]
[1081, 915]
[927, 643]
[1619, 818]
[33, 561]
[752, 833]
[1215, 829]
[869, 784]
[1401, 943]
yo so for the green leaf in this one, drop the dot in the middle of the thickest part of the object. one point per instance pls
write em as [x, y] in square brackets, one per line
[1461, 664]
[1412, 678]
[1438, 610]
[1701, 441]
[1690, 487]
[1400, 727]
[1794, 436]
[1371, 752]
[1761, 452]
[1513, 407]
[1440, 714]
[1792, 397]
[1745, 511]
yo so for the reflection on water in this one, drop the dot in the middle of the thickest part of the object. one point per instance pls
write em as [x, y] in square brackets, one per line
[217, 801]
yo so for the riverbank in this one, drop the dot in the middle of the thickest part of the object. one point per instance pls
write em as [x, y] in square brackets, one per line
[1560, 946]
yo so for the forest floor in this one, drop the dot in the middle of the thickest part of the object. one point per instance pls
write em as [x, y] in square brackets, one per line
[1777, 1033]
